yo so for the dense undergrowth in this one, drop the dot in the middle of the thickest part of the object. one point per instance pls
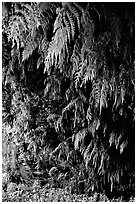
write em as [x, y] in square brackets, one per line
[68, 101]
[48, 193]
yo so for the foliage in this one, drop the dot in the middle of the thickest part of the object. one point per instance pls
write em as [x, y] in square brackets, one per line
[68, 96]
[38, 194]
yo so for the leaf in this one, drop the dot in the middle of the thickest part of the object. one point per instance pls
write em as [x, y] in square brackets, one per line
[79, 139]
[70, 106]
[123, 146]
[71, 20]
[68, 28]
[76, 13]
[112, 139]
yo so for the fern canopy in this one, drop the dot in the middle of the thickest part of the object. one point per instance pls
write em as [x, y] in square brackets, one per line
[68, 69]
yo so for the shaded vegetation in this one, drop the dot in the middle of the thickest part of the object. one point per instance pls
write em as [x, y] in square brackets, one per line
[69, 99]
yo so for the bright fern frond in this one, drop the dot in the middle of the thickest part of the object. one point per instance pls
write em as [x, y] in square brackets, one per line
[67, 24]
[72, 23]
[79, 140]
[28, 25]
[76, 13]
[64, 32]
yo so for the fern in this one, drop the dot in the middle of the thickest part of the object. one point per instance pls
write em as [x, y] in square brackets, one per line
[79, 116]
[87, 155]
[64, 33]
[79, 138]
[72, 23]
[116, 32]
[87, 112]
[75, 10]
[62, 154]
[76, 13]
[68, 28]
[30, 46]
[25, 24]
[96, 91]
[59, 125]
[78, 75]
[76, 56]
[58, 46]
[90, 73]
[123, 146]
[104, 95]
[58, 50]
[70, 106]
[69, 93]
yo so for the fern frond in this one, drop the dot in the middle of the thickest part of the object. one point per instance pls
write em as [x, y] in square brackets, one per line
[70, 106]
[45, 12]
[89, 75]
[64, 32]
[104, 163]
[59, 125]
[56, 150]
[79, 74]
[112, 139]
[69, 93]
[95, 157]
[93, 126]
[59, 46]
[30, 46]
[76, 56]
[79, 114]
[63, 153]
[58, 21]
[96, 91]
[17, 31]
[67, 24]
[27, 12]
[104, 95]
[47, 7]
[87, 153]
[79, 138]
[123, 146]
[119, 139]
[75, 59]
[25, 25]
[73, 9]
[72, 23]
[60, 153]
[40, 61]
[44, 46]
[89, 114]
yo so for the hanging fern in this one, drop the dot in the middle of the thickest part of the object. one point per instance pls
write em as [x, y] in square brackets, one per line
[64, 33]
[68, 26]
[75, 11]
[76, 55]
[72, 23]
[30, 46]
[58, 47]
[79, 139]
[28, 25]
[87, 112]
[109, 89]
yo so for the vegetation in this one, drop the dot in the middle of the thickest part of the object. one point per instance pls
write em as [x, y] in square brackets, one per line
[68, 101]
